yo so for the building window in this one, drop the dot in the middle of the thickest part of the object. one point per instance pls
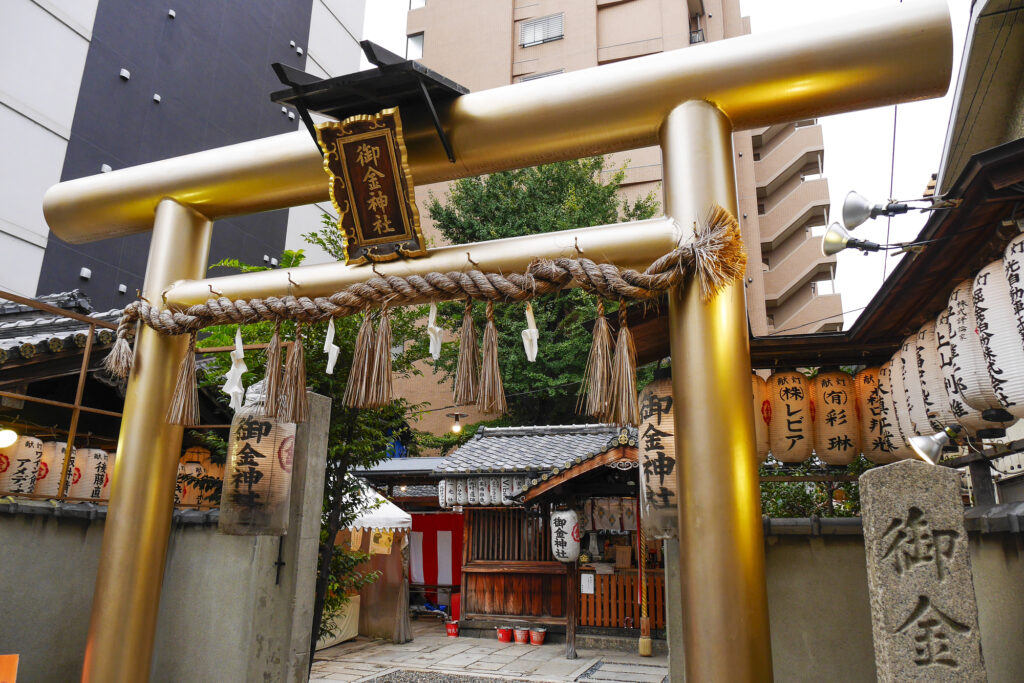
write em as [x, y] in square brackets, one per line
[414, 46]
[697, 36]
[416, 4]
[533, 77]
[542, 30]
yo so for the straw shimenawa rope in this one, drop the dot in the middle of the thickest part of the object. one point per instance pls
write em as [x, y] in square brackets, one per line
[715, 257]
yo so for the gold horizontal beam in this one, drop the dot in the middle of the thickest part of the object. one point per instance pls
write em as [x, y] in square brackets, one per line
[627, 245]
[866, 60]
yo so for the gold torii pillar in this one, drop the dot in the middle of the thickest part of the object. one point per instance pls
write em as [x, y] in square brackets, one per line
[687, 100]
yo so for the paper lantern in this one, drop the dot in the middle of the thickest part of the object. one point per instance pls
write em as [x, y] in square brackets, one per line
[185, 490]
[762, 409]
[19, 464]
[211, 470]
[899, 398]
[494, 485]
[890, 421]
[836, 429]
[483, 491]
[506, 491]
[954, 378]
[471, 492]
[108, 478]
[440, 493]
[565, 535]
[937, 404]
[911, 383]
[89, 473]
[450, 492]
[1000, 337]
[790, 428]
[875, 443]
[656, 451]
[519, 484]
[258, 475]
[460, 492]
[50, 463]
[969, 370]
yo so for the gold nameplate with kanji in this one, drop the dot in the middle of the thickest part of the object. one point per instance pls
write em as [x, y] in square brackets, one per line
[371, 187]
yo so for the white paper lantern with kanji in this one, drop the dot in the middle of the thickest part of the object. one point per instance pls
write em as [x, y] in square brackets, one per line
[836, 429]
[506, 491]
[461, 491]
[258, 475]
[954, 377]
[790, 424]
[899, 398]
[929, 374]
[762, 408]
[565, 535]
[51, 463]
[185, 490]
[656, 454]
[89, 473]
[450, 493]
[19, 464]
[440, 493]
[483, 491]
[471, 491]
[969, 368]
[890, 421]
[875, 443]
[912, 387]
[1000, 337]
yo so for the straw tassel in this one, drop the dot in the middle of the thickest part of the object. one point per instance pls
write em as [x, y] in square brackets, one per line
[294, 406]
[272, 376]
[468, 368]
[184, 408]
[718, 256]
[595, 390]
[119, 361]
[491, 399]
[379, 388]
[623, 407]
[362, 365]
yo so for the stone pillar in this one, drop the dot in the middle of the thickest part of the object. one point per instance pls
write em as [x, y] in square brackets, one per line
[923, 611]
[673, 612]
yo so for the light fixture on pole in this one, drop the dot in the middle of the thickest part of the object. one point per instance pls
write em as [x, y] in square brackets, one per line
[928, 448]
[857, 208]
[456, 426]
[8, 437]
[837, 238]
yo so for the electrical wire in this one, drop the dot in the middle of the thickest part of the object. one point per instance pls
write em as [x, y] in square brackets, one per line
[812, 322]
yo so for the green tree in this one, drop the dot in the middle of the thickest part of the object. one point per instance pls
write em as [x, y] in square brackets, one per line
[356, 438]
[549, 198]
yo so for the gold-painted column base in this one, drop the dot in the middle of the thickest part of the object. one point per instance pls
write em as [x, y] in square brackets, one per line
[725, 612]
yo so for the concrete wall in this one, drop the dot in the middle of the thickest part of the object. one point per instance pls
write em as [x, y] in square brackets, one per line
[223, 614]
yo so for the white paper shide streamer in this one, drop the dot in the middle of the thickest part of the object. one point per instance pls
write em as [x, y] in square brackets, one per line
[233, 380]
[530, 335]
[434, 332]
[330, 348]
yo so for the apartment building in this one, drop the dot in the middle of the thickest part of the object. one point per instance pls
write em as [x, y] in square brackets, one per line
[92, 86]
[783, 197]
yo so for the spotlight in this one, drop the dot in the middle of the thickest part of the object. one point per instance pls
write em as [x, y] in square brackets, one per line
[837, 238]
[928, 448]
[857, 208]
[7, 437]
[456, 426]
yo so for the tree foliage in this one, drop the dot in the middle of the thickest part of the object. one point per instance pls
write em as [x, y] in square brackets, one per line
[549, 198]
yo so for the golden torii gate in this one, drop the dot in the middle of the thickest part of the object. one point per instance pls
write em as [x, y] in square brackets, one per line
[687, 101]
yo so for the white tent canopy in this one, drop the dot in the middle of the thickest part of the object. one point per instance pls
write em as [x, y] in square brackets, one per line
[377, 512]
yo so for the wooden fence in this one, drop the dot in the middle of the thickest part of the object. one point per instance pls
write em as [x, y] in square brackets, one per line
[614, 601]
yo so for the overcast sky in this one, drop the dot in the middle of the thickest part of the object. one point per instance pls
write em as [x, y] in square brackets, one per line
[858, 147]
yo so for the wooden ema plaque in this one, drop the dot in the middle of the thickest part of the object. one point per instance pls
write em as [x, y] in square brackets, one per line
[371, 187]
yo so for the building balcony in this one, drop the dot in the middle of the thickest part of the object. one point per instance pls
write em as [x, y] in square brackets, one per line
[801, 151]
[804, 206]
[801, 266]
[821, 313]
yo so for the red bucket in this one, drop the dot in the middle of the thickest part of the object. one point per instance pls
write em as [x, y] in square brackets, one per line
[537, 635]
[504, 634]
[453, 628]
[522, 635]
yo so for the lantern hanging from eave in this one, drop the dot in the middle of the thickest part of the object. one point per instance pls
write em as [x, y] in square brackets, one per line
[211, 470]
[937, 404]
[565, 535]
[890, 422]
[969, 367]
[50, 464]
[19, 464]
[836, 428]
[89, 473]
[483, 491]
[494, 485]
[258, 475]
[186, 490]
[450, 493]
[460, 491]
[506, 490]
[1000, 337]
[440, 493]
[656, 453]
[762, 411]
[875, 442]
[790, 427]
[899, 398]
[911, 381]
[955, 376]
[471, 491]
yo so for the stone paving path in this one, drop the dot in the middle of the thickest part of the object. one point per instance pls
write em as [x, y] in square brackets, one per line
[432, 656]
